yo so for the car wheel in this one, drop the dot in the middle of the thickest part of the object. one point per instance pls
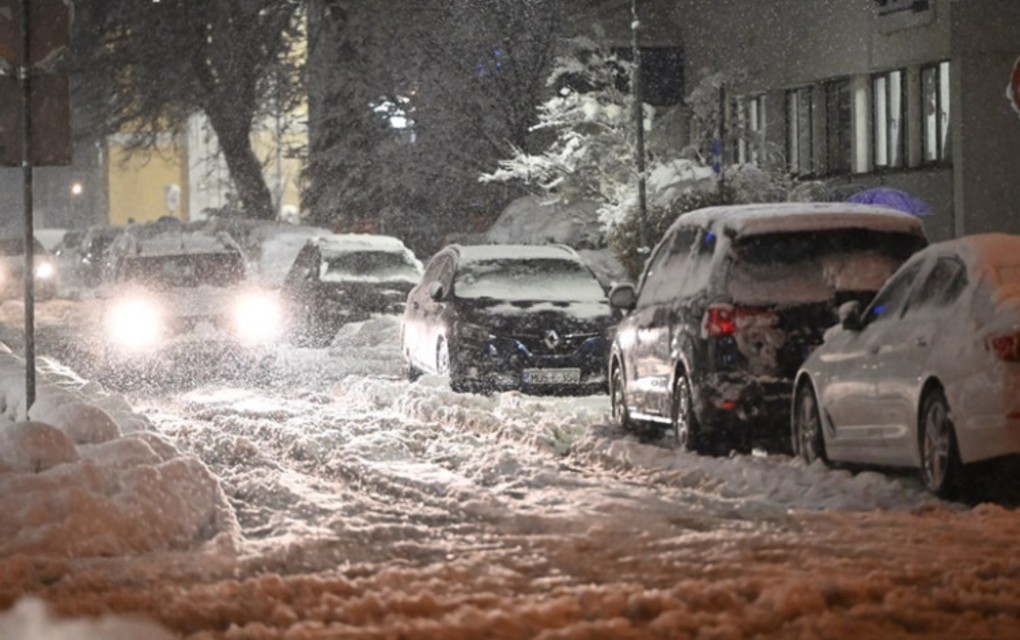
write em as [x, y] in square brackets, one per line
[808, 442]
[941, 468]
[442, 358]
[618, 401]
[444, 367]
[411, 372]
[685, 424]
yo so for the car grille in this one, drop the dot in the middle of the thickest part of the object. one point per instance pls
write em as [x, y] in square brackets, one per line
[549, 345]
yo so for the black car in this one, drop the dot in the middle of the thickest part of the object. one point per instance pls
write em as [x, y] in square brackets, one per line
[500, 317]
[342, 278]
[731, 302]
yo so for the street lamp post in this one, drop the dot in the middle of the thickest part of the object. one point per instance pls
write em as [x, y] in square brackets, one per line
[639, 123]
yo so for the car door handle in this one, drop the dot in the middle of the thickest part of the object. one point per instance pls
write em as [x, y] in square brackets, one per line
[873, 350]
[921, 341]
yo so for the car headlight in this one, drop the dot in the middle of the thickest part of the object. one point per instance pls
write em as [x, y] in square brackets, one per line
[474, 332]
[134, 324]
[44, 270]
[257, 317]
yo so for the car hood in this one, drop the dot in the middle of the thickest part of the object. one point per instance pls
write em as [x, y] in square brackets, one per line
[530, 316]
[190, 301]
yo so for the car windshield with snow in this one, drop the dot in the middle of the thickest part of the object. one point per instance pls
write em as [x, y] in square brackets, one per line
[181, 301]
[925, 377]
[343, 278]
[497, 317]
[730, 303]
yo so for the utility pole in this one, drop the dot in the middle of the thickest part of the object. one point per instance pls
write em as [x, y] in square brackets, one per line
[639, 141]
[35, 119]
[25, 78]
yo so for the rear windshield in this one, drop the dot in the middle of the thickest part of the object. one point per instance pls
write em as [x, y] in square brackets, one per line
[814, 266]
[372, 264]
[185, 270]
[532, 279]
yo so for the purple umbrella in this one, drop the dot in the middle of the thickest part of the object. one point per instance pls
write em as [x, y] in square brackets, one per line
[894, 198]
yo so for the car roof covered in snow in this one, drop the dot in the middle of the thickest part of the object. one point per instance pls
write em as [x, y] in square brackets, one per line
[341, 243]
[778, 217]
[982, 251]
[174, 242]
[481, 252]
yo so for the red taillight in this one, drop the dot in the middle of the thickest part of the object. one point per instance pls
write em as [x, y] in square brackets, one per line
[720, 320]
[723, 320]
[1005, 347]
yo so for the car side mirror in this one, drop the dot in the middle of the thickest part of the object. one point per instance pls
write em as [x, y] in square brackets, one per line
[436, 291]
[622, 296]
[849, 314]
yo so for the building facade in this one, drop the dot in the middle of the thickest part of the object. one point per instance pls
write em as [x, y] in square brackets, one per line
[905, 93]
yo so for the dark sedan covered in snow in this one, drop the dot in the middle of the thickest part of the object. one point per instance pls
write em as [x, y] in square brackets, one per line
[500, 317]
[341, 278]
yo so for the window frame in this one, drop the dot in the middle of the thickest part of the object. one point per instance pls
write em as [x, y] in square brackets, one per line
[884, 140]
[799, 138]
[937, 151]
[839, 140]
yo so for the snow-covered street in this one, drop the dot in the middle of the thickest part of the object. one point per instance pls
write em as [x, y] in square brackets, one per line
[356, 504]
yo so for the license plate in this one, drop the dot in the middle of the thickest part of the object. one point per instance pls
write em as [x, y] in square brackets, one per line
[552, 376]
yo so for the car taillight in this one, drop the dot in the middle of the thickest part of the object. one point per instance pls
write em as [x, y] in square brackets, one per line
[1005, 347]
[723, 320]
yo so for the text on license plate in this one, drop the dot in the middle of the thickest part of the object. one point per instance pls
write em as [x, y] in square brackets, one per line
[551, 376]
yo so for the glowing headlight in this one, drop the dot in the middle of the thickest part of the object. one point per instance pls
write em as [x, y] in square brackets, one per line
[134, 324]
[257, 318]
[44, 270]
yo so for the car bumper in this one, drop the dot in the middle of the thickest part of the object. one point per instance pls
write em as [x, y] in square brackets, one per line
[494, 367]
[741, 402]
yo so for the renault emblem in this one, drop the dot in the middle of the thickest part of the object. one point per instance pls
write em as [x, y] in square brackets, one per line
[552, 339]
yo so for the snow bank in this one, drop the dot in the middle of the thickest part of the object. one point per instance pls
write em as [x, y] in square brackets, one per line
[81, 475]
[31, 620]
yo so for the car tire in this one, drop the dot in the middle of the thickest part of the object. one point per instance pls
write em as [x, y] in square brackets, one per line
[410, 372]
[618, 402]
[941, 467]
[806, 437]
[686, 428]
[444, 367]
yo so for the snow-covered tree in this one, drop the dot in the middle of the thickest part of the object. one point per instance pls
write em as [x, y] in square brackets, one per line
[590, 153]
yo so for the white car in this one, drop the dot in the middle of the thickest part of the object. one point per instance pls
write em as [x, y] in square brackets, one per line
[928, 376]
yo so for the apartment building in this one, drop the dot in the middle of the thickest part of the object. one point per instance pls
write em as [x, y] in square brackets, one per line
[905, 93]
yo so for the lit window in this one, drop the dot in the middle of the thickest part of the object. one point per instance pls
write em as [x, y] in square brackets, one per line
[887, 100]
[935, 112]
[755, 126]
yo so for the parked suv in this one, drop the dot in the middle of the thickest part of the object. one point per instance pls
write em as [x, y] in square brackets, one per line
[731, 302]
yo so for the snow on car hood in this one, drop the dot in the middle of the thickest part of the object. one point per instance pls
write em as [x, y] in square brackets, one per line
[206, 300]
[524, 315]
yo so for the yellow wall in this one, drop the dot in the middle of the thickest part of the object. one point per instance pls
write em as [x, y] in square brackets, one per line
[137, 186]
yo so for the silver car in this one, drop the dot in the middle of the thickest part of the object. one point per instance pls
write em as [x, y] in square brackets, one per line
[928, 375]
